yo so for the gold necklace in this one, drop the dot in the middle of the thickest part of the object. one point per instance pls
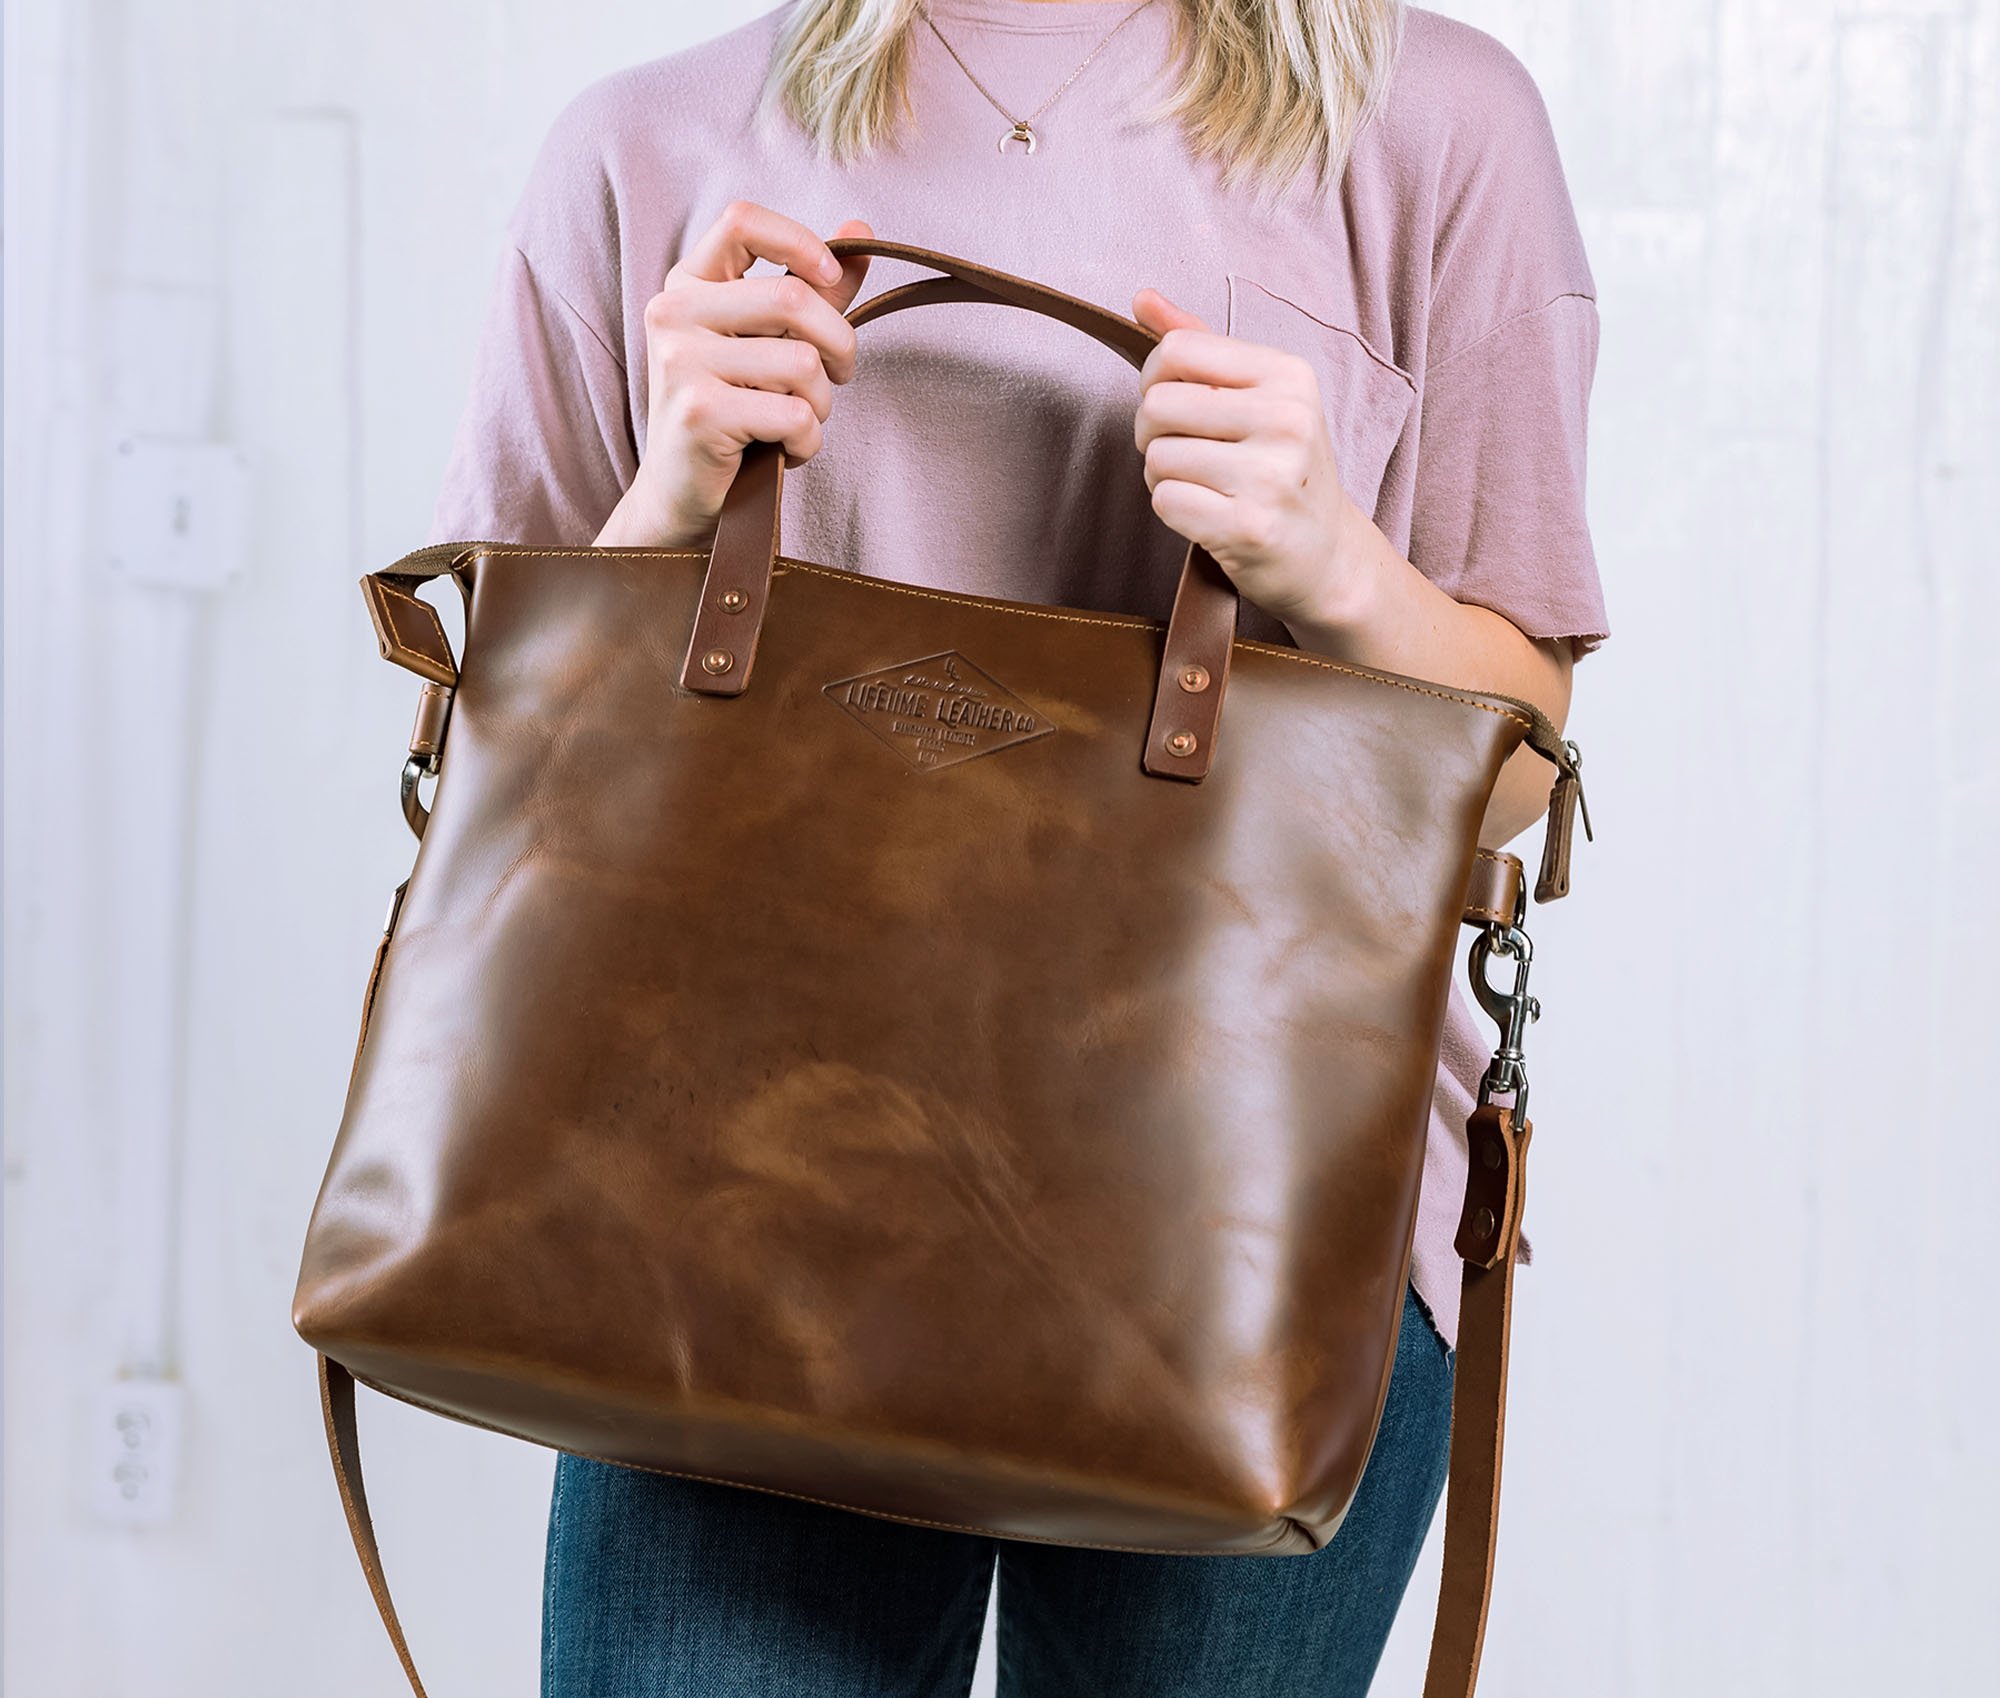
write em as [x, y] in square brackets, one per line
[1023, 130]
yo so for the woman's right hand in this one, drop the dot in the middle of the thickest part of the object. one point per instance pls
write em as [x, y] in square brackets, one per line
[732, 360]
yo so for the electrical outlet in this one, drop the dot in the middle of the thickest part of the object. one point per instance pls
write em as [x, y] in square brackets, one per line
[135, 1452]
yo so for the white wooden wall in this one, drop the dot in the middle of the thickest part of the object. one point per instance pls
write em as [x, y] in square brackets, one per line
[1751, 1450]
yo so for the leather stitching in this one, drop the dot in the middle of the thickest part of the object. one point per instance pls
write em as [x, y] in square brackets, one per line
[1479, 911]
[429, 625]
[551, 1587]
[1249, 645]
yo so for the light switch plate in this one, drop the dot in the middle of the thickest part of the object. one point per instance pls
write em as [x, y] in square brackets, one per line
[176, 513]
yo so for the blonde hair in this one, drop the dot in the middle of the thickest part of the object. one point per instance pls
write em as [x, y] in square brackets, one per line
[1265, 87]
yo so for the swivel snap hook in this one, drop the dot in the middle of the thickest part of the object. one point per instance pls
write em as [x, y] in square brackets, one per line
[1512, 1010]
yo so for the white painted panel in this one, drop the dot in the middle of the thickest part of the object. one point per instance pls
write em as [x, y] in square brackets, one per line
[1749, 1449]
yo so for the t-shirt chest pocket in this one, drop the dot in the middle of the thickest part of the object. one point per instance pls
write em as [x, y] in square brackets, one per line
[1367, 400]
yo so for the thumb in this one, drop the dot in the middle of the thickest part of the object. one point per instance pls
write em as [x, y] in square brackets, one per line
[1159, 315]
[853, 268]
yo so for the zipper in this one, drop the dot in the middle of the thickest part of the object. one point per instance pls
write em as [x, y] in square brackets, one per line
[1546, 739]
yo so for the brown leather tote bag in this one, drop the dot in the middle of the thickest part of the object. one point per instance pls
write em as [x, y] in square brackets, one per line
[955, 1059]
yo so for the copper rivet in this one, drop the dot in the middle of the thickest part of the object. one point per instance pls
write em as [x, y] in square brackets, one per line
[1482, 1223]
[1194, 678]
[1492, 1152]
[734, 601]
[1181, 743]
[717, 660]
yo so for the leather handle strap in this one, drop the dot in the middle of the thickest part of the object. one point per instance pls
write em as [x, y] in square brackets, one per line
[1478, 1404]
[968, 280]
[722, 648]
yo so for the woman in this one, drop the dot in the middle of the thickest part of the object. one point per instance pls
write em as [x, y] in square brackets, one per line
[1350, 227]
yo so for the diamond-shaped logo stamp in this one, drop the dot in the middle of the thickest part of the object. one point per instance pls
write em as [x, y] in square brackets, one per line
[940, 710]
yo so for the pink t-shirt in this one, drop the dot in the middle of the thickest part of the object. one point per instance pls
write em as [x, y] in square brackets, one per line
[1442, 297]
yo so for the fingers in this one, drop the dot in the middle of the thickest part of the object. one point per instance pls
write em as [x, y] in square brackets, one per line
[1208, 356]
[707, 286]
[1196, 512]
[854, 266]
[718, 420]
[733, 359]
[1219, 466]
[780, 364]
[767, 417]
[1159, 314]
[746, 233]
[1277, 427]
[749, 233]
[763, 306]
[1254, 450]
[1173, 408]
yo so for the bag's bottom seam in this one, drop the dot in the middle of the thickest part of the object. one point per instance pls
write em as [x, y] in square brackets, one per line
[416, 1402]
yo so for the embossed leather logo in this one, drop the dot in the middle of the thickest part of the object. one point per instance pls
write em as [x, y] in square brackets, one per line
[940, 710]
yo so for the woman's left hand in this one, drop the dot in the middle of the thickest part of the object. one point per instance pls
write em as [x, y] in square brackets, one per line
[1238, 460]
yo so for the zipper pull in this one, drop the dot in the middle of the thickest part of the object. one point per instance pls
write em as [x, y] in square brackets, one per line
[1565, 802]
[1576, 775]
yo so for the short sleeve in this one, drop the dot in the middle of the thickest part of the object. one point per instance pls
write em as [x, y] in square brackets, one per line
[1498, 515]
[543, 449]
[1510, 349]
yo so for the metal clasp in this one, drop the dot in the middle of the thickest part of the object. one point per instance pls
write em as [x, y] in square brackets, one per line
[1513, 1011]
[426, 751]
[416, 769]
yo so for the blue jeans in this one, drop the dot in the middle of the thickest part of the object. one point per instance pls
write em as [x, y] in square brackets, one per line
[658, 1587]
